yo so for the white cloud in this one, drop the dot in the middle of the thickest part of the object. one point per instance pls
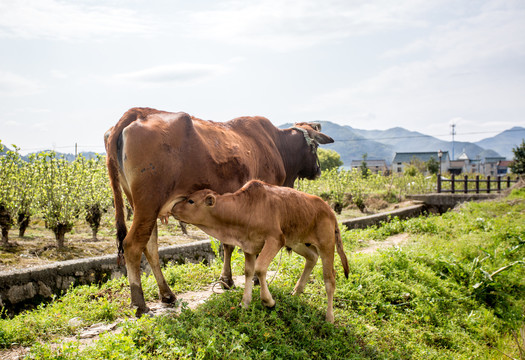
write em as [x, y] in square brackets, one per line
[292, 24]
[66, 20]
[456, 68]
[181, 73]
[58, 74]
[15, 85]
[482, 34]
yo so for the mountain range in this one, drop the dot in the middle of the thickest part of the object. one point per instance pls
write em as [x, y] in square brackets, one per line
[352, 144]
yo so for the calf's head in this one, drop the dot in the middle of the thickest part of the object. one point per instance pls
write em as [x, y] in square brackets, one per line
[195, 209]
[310, 167]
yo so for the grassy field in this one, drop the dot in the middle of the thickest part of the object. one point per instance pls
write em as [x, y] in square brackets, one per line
[456, 290]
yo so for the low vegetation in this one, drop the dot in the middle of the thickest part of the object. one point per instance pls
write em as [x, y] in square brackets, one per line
[455, 291]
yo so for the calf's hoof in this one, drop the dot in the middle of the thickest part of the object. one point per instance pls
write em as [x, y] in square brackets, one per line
[227, 283]
[269, 303]
[329, 318]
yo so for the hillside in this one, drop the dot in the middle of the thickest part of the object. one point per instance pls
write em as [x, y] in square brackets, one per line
[352, 143]
[505, 141]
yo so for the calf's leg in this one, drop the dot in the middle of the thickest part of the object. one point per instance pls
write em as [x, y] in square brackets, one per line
[311, 256]
[249, 265]
[152, 254]
[268, 252]
[327, 258]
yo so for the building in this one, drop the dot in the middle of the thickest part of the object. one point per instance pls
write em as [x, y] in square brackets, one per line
[457, 167]
[490, 165]
[375, 166]
[504, 167]
[402, 159]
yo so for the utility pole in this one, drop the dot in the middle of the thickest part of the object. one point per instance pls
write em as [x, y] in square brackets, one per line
[75, 150]
[453, 132]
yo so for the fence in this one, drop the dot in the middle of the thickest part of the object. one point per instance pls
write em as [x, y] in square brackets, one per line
[465, 188]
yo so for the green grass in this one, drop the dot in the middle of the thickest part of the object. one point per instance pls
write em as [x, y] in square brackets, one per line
[456, 291]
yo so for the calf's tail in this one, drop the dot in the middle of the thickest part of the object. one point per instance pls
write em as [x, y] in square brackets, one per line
[340, 251]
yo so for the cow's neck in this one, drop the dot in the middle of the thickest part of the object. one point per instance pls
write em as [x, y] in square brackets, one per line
[291, 146]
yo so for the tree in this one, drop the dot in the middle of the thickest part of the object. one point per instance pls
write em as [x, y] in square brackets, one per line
[97, 196]
[432, 165]
[28, 191]
[60, 193]
[329, 159]
[518, 166]
[10, 190]
[364, 166]
[411, 170]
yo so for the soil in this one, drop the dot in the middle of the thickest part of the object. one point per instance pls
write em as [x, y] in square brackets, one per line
[39, 247]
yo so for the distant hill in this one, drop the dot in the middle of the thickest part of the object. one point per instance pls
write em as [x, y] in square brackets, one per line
[352, 143]
[68, 157]
[504, 142]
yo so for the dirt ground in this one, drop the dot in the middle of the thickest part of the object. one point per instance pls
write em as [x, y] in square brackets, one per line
[38, 246]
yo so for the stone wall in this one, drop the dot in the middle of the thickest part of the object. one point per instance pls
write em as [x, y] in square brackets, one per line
[24, 288]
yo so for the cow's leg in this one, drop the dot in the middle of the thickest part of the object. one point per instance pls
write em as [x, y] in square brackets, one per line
[152, 254]
[268, 252]
[311, 256]
[134, 245]
[249, 265]
[226, 275]
[327, 258]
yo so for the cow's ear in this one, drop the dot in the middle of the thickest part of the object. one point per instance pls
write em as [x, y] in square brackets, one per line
[210, 200]
[322, 138]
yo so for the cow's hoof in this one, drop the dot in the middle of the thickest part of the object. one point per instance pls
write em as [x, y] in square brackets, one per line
[170, 299]
[227, 283]
[256, 280]
[142, 311]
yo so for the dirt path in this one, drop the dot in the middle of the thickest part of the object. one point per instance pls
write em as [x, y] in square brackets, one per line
[193, 299]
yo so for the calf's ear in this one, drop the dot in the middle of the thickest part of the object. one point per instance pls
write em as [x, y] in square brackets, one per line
[209, 200]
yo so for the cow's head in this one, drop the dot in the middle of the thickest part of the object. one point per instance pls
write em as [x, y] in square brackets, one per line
[310, 167]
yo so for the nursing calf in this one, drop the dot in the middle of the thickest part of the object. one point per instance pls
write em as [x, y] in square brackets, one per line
[261, 219]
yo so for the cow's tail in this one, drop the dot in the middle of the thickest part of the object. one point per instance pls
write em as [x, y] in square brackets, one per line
[340, 250]
[113, 140]
[122, 231]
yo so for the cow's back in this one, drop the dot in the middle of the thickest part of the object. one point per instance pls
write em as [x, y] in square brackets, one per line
[165, 156]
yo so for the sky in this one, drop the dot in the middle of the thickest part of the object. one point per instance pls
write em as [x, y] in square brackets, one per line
[70, 69]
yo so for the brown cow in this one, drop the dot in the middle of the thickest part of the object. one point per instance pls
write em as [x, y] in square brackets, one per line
[157, 158]
[261, 219]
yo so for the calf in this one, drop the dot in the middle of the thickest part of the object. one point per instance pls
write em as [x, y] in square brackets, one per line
[261, 219]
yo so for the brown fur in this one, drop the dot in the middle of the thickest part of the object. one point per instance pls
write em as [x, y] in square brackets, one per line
[157, 158]
[261, 219]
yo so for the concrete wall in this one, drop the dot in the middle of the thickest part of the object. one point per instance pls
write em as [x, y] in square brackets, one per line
[403, 213]
[23, 288]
